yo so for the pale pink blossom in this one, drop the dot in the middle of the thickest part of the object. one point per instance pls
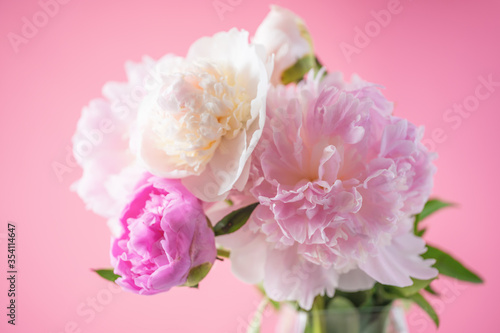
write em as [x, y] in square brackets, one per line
[101, 142]
[338, 179]
[285, 36]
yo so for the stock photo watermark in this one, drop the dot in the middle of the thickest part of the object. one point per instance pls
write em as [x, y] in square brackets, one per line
[381, 19]
[221, 7]
[10, 238]
[252, 322]
[121, 109]
[449, 291]
[82, 148]
[88, 310]
[31, 25]
[454, 116]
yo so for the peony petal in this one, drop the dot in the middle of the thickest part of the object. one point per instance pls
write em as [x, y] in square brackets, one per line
[247, 262]
[396, 263]
[288, 277]
[355, 280]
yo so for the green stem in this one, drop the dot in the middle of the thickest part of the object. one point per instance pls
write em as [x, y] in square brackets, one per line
[223, 253]
[318, 326]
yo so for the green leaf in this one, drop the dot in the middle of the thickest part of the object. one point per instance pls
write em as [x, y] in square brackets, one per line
[318, 63]
[234, 220]
[422, 303]
[107, 273]
[430, 290]
[421, 232]
[198, 273]
[449, 266]
[431, 206]
[406, 292]
[299, 69]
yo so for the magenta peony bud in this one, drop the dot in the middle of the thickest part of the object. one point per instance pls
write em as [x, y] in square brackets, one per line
[165, 237]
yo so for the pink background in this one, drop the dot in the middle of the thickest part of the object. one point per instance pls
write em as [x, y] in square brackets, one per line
[428, 57]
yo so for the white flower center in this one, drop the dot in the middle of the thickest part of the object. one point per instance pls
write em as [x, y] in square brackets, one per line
[193, 111]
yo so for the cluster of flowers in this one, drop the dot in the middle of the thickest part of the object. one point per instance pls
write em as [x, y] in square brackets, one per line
[337, 178]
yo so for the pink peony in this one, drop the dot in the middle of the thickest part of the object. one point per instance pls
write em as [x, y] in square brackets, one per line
[166, 240]
[338, 179]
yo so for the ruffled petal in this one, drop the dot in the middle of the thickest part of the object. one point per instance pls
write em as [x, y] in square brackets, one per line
[398, 262]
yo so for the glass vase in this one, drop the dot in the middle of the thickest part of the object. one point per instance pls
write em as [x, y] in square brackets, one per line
[388, 319]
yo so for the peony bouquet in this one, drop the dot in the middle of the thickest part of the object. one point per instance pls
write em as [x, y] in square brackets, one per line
[252, 151]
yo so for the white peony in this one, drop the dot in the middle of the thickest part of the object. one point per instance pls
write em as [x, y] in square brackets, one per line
[197, 118]
[202, 122]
